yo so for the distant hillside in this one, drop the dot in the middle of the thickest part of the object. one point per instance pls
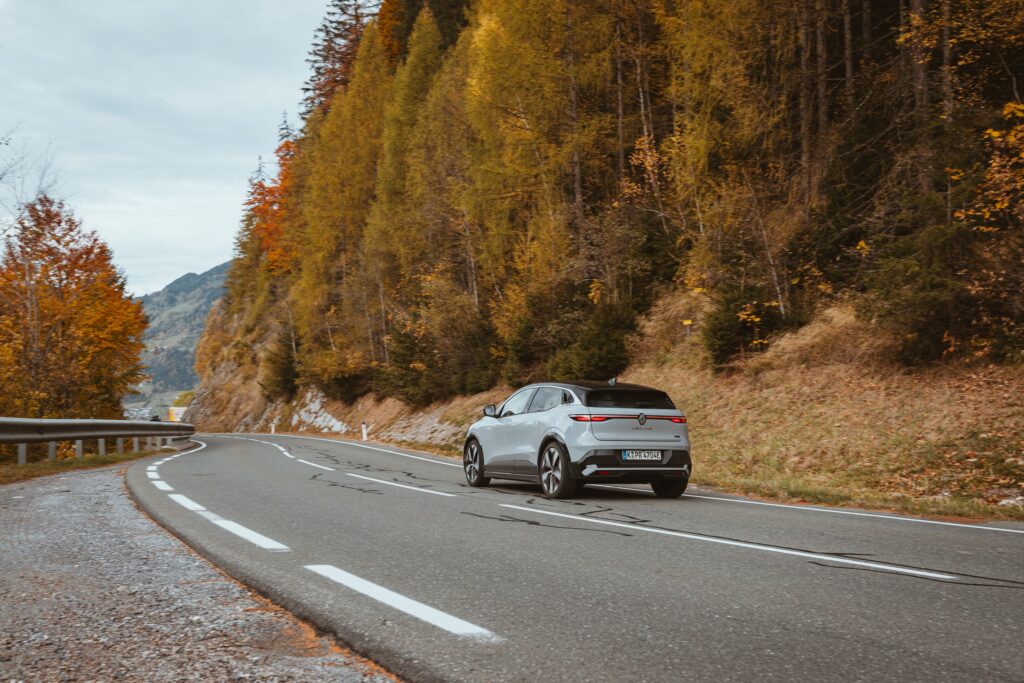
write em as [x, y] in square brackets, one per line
[176, 316]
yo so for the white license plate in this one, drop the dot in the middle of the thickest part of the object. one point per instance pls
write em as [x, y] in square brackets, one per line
[641, 455]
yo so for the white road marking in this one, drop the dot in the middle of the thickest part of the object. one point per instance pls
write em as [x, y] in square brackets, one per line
[893, 518]
[152, 468]
[400, 602]
[329, 469]
[162, 485]
[811, 508]
[185, 502]
[402, 486]
[268, 443]
[339, 442]
[153, 475]
[248, 534]
[742, 544]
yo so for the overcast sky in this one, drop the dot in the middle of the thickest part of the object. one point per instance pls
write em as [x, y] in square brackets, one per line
[156, 112]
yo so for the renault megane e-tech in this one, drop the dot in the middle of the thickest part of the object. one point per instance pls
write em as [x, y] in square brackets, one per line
[565, 434]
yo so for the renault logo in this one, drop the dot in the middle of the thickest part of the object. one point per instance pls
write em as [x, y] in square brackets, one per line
[641, 418]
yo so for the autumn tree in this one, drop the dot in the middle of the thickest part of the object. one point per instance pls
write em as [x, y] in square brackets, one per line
[335, 44]
[70, 336]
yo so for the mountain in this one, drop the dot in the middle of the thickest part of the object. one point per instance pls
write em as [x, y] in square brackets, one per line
[176, 315]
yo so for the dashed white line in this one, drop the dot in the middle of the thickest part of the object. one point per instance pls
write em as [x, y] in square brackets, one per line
[185, 502]
[237, 529]
[248, 534]
[742, 544]
[414, 608]
[329, 469]
[338, 442]
[402, 486]
[162, 485]
[153, 475]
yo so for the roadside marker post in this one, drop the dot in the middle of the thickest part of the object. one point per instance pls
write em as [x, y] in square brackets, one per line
[364, 430]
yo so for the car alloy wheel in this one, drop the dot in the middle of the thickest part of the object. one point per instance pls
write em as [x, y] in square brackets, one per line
[555, 480]
[473, 464]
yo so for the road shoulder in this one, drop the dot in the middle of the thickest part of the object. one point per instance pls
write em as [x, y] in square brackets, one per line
[90, 588]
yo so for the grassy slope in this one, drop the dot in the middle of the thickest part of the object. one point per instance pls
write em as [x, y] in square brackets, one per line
[823, 417]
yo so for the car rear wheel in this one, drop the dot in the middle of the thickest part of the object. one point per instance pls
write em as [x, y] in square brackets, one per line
[669, 488]
[473, 464]
[553, 471]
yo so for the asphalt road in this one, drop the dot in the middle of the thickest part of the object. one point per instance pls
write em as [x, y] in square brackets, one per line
[392, 551]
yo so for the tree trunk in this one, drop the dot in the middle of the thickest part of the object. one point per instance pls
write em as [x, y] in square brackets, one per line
[574, 114]
[821, 31]
[919, 80]
[947, 97]
[865, 22]
[620, 105]
[848, 55]
[805, 97]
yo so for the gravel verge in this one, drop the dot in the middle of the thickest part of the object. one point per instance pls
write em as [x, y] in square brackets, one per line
[93, 590]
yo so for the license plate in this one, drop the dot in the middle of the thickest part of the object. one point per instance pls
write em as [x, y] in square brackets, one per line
[641, 455]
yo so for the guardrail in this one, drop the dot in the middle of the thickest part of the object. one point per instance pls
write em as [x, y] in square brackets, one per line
[15, 430]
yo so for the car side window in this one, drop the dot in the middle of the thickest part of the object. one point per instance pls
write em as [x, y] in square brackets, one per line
[517, 404]
[545, 399]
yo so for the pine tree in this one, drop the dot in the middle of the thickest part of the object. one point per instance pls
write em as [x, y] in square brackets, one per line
[335, 44]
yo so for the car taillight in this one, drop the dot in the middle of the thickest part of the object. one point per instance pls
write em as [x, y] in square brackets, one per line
[679, 420]
[589, 418]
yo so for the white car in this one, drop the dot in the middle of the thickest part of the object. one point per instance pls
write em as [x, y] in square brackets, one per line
[565, 434]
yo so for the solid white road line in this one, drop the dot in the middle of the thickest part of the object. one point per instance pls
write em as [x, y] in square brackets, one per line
[893, 518]
[329, 469]
[402, 603]
[185, 502]
[811, 508]
[339, 442]
[749, 546]
[402, 486]
[162, 485]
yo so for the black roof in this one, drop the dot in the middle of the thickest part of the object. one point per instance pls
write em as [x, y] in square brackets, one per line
[590, 385]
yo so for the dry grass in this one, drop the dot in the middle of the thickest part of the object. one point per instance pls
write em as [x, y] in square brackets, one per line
[11, 472]
[824, 417]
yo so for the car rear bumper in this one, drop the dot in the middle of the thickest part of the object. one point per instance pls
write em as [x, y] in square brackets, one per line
[608, 465]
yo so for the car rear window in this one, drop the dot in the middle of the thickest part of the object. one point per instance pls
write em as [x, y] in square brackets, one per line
[629, 398]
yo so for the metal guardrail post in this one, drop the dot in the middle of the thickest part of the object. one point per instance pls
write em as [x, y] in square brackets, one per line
[120, 445]
[51, 450]
[22, 453]
[135, 444]
[101, 446]
[79, 453]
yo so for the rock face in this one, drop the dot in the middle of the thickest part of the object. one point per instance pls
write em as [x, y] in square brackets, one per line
[176, 315]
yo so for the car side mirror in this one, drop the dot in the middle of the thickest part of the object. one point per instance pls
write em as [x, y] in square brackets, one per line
[490, 411]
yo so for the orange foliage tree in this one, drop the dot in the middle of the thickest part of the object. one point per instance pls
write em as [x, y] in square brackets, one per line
[266, 206]
[70, 336]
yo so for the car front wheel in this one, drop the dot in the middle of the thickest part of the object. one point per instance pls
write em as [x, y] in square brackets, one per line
[553, 471]
[473, 464]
